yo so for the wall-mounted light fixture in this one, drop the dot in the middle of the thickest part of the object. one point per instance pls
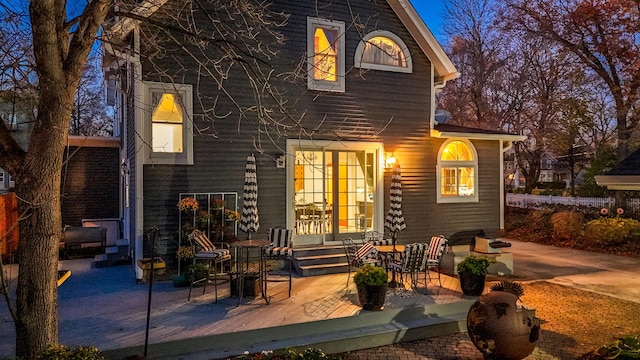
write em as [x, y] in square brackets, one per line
[280, 160]
[389, 161]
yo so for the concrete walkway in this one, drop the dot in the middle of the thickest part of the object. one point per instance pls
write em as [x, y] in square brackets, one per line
[610, 275]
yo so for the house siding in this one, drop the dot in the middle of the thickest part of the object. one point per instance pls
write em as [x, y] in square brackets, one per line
[377, 106]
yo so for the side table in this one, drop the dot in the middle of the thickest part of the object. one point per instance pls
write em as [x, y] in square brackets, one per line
[246, 268]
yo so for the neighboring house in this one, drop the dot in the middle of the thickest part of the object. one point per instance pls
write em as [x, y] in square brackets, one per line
[624, 176]
[91, 171]
[335, 184]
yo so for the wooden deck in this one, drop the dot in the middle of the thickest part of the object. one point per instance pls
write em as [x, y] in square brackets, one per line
[105, 308]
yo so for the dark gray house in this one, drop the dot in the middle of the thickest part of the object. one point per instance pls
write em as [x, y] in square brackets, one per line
[360, 95]
[624, 176]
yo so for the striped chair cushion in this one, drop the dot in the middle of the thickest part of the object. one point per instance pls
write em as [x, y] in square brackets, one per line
[414, 258]
[367, 253]
[436, 250]
[201, 241]
[216, 255]
[280, 242]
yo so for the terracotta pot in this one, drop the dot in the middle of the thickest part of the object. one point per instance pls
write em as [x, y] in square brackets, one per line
[371, 297]
[471, 284]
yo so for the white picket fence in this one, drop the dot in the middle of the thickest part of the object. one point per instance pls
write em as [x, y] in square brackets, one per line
[527, 200]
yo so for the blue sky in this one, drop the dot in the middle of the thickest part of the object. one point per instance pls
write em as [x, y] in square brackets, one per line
[432, 12]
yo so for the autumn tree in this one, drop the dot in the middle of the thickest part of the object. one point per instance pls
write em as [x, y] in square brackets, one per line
[602, 34]
[476, 46]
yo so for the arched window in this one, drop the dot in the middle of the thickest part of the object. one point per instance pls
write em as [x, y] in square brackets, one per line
[457, 172]
[383, 50]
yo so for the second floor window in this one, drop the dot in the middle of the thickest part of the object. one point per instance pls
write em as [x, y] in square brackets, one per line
[383, 50]
[325, 52]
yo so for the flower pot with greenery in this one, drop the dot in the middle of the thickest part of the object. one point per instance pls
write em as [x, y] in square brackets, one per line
[472, 272]
[371, 282]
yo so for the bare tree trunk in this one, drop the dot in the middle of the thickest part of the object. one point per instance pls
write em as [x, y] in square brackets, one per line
[38, 190]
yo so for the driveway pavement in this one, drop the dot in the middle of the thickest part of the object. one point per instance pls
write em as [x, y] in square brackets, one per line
[611, 275]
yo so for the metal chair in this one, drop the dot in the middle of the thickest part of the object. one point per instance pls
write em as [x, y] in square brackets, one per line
[375, 237]
[358, 256]
[280, 248]
[413, 261]
[205, 250]
[437, 248]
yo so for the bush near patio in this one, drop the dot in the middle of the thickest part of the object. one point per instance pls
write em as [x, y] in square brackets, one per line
[575, 227]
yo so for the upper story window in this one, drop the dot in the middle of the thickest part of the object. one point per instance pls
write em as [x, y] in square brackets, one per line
[167, 121]
[168, 124]
[457, 172]
[325, 51]
[383, 50]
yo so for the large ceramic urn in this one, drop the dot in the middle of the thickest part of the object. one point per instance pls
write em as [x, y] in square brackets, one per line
[501, 328]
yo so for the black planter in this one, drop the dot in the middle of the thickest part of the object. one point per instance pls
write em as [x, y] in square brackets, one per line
[371, 297]
[471, 284]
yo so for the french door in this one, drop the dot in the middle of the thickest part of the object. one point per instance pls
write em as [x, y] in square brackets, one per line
[335, 192]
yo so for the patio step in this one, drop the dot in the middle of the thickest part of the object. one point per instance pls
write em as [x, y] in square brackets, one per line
[319, 260]
[362, 331]
[323, 269]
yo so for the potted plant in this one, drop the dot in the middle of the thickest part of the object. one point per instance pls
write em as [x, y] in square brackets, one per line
[371, 282]
[472, 272]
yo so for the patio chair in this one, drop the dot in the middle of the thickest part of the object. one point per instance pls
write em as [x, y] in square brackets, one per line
[205, 250]
[375, 237]
[437, 248]
[280, 248]
[358, 256]
[412, 262]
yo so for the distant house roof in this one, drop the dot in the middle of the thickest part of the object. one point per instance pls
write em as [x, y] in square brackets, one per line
[624, 176]
[447, 130]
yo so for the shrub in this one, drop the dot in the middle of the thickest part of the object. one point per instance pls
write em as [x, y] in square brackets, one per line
[371, 275]
[567, 225]
[611, 231]
[62, 352]
[197, 271]
[476, 265]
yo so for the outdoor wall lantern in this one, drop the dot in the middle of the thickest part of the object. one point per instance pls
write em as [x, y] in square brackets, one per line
[389, 161]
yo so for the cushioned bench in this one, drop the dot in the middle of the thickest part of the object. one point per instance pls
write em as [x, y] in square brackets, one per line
[79, 237]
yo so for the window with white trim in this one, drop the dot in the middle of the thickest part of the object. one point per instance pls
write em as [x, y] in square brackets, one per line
[168, 124]
[325, 55]
[383, 50]
[457, 172]
[2, 182]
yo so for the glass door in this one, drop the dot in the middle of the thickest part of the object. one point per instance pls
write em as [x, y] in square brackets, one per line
[334, 193]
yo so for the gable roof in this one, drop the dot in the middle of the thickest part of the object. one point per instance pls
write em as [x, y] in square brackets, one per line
[444, 68]
[624, 176]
